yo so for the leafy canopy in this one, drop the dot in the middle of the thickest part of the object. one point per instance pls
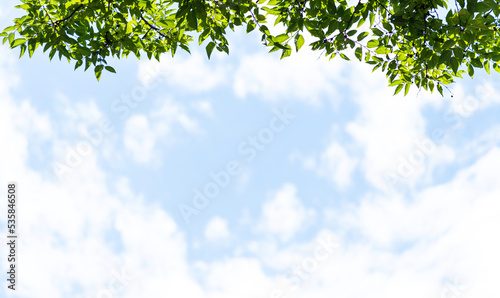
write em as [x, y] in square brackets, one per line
[425, 43]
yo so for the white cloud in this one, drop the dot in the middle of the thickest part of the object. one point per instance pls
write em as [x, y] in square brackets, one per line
[445, 231]
[236, 277]
[386, 127]
[169, 113]
[204, 107]
[302, 76]
[392, 246]
[440, 243]
[8, 76]
[337, 164]
[436, 162]
[284, 215]
[40, 125]
[79, 115]
[487, 92]
[243, 179]
[484, 95]
[334, 163]
[77, 226]
[216, 229]
[282, 257]
[142, 133]
[391, 129]
[139, 138]
[480, 145]
[192, 73]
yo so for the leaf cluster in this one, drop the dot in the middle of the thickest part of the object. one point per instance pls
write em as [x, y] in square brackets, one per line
[407, 39]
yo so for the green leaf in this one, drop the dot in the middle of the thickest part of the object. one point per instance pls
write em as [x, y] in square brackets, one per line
[454, 64]
[89, 32]
[23, 6]
[426, 53]
[52, 52]
[359, 53]
[382, 50]
[299, 41]
[203, 36]
[445, 57]
[440, 89]
[496, 67]
[10, 28]
[487, 66]
[398, 88]
[185, 48]
[98, 71]
[87, 63]
[31, 47]
[83, 51]
[407, 88]
[372, 18]
[192, 21]
[128, 29]
[17, 42]
[470, 70]
[372, 43]
[387, 26]
[78, 64]
[285, 53]
[281, 38]
[210, 47]
[377, 32]
[250, 26]
[362, 35]
[344, 57]
[273, 49]
[110, 69]
[448, 44]
[476, 63]
[23, 49]
[361, 22]
[261, 18]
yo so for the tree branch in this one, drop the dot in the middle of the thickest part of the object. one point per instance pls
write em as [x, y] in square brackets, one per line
[154, 28]
[69, 17]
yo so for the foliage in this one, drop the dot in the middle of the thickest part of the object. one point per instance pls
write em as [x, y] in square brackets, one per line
[415, 42]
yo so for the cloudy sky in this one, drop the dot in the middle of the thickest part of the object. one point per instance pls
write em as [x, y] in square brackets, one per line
[247, 176]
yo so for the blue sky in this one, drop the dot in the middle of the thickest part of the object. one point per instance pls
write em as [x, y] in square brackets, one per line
[325, 184]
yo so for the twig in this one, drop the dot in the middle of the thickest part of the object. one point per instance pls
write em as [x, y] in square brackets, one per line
[69, 17]
[50, 19]
[154, 28]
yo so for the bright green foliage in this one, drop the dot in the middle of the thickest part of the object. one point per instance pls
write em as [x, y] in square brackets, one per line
[425, 43]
